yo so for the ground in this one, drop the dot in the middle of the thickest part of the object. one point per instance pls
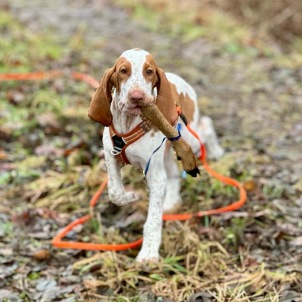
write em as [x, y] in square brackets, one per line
[51, 160]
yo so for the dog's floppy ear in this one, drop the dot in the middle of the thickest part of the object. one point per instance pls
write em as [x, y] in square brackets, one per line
[164, 100]
[99, 109]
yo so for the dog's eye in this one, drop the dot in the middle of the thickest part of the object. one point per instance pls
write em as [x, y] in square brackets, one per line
[149, 71]
[123, 70]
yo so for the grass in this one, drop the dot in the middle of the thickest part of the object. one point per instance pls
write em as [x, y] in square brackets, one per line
[199, 21]
[15, 37]
[203, 21]
[203, 265]
[210, 255]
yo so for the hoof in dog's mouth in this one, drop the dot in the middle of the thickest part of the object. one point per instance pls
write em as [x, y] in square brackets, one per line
[194, 172]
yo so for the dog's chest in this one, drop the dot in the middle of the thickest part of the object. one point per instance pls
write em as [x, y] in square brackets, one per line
[139, 152]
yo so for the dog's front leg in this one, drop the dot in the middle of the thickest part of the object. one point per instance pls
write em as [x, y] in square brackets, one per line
[156, 180]
[116, 190]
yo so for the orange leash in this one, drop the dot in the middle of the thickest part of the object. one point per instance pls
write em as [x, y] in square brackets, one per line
[224, 179]
[41, 75]
[57, 240]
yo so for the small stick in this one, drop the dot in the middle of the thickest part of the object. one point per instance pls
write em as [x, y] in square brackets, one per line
[182, 149]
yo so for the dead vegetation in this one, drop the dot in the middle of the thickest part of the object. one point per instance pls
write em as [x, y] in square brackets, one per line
[190, 265]
[280, 20]
[51, 163]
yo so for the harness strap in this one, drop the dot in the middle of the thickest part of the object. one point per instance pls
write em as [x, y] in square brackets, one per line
[120, 141]
[182, 116]
[172, 139]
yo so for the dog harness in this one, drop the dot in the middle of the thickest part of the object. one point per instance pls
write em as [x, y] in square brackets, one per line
[120, 141]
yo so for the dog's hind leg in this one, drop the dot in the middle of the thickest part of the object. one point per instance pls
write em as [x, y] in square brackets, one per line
[208, 136]
[172, 196]
[156, 180]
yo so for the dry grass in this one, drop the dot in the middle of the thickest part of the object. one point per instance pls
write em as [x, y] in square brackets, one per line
[190, 265]
[246, 258]
[279, 19]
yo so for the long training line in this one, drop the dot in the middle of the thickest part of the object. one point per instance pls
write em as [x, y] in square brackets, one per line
[58, 239]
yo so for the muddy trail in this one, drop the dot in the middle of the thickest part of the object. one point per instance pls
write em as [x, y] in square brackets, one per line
[51, 163]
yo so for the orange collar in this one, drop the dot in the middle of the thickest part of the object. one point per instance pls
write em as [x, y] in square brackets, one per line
[121, 141]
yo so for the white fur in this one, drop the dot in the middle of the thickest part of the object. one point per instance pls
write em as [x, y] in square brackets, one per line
[163, 176]
[135, 82]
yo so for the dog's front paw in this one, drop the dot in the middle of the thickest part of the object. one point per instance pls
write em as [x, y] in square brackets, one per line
[171, 204]
[146, 257]
[131, 197]
[123, 199]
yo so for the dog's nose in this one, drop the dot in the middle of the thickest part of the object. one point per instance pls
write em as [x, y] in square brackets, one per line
[136, 96]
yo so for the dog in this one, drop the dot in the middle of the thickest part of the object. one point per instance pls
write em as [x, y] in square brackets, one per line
[133, 82]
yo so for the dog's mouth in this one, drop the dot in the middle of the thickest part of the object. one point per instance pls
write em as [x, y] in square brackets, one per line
[133, 107]
[133, 110]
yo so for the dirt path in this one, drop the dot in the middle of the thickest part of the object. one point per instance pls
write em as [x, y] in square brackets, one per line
[257, 109]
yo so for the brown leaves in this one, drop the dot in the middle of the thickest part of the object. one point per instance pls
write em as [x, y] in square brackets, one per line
[92, 284]
[15, 97]
[250, 185]
[22, 218]
[255, 104]
[296, 242]
[3, 155]
[8, 295]
[42, 255]
[49, 121]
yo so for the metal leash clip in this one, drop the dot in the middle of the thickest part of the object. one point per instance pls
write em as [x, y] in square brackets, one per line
[118, 144]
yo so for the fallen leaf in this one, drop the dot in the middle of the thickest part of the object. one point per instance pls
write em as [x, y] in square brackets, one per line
[70, 299]
[289, 229]
[22, 218]
[7, 166]
[7, 295]
[3, 155]
[279, 236]
[46, 284]
[6, 252]
[78, 145]
[50, 294]
[7, 270]
[250, 261]
[136, 217]
[48, 120]
[296, 242]
[41, 255]
[250, 185]
[92, 283]
[298, 185]
[39, 235]
[230, 215]
[47, 149]
[15, 97]
[210, 231]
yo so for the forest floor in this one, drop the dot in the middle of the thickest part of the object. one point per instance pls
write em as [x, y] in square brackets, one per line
[51, 161]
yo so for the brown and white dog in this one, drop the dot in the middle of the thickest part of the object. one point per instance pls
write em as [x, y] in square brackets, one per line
[135, 81]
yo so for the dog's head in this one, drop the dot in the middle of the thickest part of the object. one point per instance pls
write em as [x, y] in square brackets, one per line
[138, 82]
